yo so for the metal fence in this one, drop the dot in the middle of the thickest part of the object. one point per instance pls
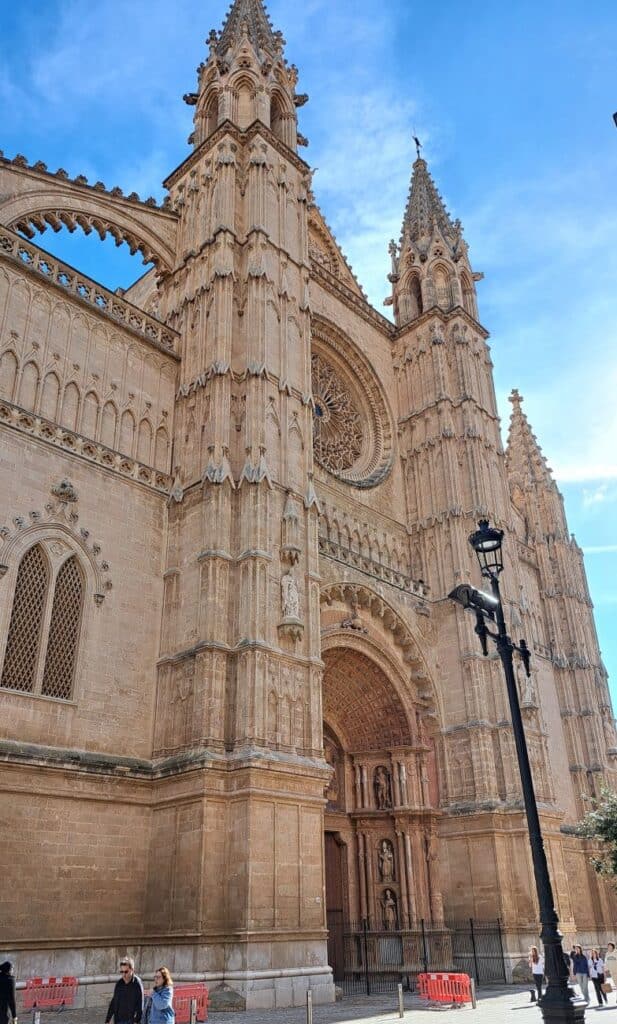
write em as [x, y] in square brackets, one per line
[367, 959]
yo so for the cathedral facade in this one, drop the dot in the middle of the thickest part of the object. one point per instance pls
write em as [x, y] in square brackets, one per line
[234, 498]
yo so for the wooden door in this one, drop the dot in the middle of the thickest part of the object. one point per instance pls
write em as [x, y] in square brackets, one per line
[335, 901]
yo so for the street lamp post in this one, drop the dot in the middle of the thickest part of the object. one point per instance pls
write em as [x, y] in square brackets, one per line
[556, 1003]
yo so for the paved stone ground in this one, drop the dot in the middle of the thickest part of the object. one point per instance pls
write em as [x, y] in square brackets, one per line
[495, 1006]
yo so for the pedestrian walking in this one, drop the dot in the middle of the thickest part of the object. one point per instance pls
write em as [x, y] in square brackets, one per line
[161, 1005]
[8, 1010]
[580, 969]
[610, 964]
[127, 1002]
[536, 963]
[596, 973]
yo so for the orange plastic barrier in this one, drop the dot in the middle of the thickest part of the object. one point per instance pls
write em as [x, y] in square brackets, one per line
[445, 987]
[49, 993]
[183, 994]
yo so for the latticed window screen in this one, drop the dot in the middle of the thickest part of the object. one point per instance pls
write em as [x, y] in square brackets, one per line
[63, 632]
[23, 642]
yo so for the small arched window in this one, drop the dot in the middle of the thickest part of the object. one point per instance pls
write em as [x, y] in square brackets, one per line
[245, 105]
[443, 288]
[415, 293]
[210, 116]
[277, 118]
[469, 298]
[43, 637]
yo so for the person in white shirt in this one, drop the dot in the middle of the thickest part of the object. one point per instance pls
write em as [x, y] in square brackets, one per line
[610, 964]
[536, 963]
[596, 973]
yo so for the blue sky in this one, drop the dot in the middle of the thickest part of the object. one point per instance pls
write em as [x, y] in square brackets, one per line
[513, 102]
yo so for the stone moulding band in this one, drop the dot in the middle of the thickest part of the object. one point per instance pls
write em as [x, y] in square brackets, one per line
[279, 972]
[31, 258]
[19, 419]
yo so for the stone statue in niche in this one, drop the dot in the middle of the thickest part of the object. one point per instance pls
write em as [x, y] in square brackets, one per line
[421, 728]
[526, 688]
[389, 911]
[381, 784]
[290, 598]
[386, 861]
[332, 790]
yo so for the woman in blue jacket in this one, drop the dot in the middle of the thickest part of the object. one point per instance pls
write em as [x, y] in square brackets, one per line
[580, 970]
[161, 1009]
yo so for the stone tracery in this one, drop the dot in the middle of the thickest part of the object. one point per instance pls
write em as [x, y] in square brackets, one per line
[337, 426]
[352, 434]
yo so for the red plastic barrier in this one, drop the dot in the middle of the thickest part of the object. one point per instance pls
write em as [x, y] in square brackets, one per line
[183, 994]
[445, 987]
[49, 993]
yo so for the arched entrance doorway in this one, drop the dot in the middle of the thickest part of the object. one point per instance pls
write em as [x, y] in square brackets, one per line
[381, 814]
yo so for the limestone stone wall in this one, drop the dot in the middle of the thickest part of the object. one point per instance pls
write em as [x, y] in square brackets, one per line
[86, 839]
[85, 372]
[111, 710]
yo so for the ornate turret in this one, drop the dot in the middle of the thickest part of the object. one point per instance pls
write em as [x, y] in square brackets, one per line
[580, 676]
[524, 456]
[532, 487]
[246, 78]
[430, 266]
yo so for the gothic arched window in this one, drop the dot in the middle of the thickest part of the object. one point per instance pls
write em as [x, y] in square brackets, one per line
[24, 639]
[43, 636]
[63, 636]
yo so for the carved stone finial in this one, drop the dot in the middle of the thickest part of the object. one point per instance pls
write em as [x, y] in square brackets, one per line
[64, 491]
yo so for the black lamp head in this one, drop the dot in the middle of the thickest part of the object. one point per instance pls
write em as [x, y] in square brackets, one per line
[487, 542]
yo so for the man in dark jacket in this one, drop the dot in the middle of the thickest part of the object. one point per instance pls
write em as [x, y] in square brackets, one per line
[127, 1002]
[8, 1011]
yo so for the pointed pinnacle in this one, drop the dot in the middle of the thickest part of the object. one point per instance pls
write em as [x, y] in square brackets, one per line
[425, 207]
[249, 16]
[523, 451]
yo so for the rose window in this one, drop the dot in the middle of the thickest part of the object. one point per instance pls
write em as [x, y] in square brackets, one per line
[337, 426]
[352, 432]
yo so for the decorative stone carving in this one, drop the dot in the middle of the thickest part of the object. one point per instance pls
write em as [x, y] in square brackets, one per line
[176, 493]
[381, 784]
[291, 624]
[64, 491]
[389, 910]
[290, 598]
[332, 790]
[290, 547]
[526, 688]
[354, 621]
[386, 861]
[337, 427]
[352, 428]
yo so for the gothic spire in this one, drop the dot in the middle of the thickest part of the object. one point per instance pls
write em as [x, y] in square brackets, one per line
[430, 265]
[252, 14]
[425, 208]
[523, 453]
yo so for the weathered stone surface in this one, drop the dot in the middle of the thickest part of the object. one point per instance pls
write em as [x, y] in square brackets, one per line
[224, 999]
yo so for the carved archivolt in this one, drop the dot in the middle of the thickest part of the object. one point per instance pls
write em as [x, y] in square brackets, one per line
[356, 596]
[352, 425]
[57, 519]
